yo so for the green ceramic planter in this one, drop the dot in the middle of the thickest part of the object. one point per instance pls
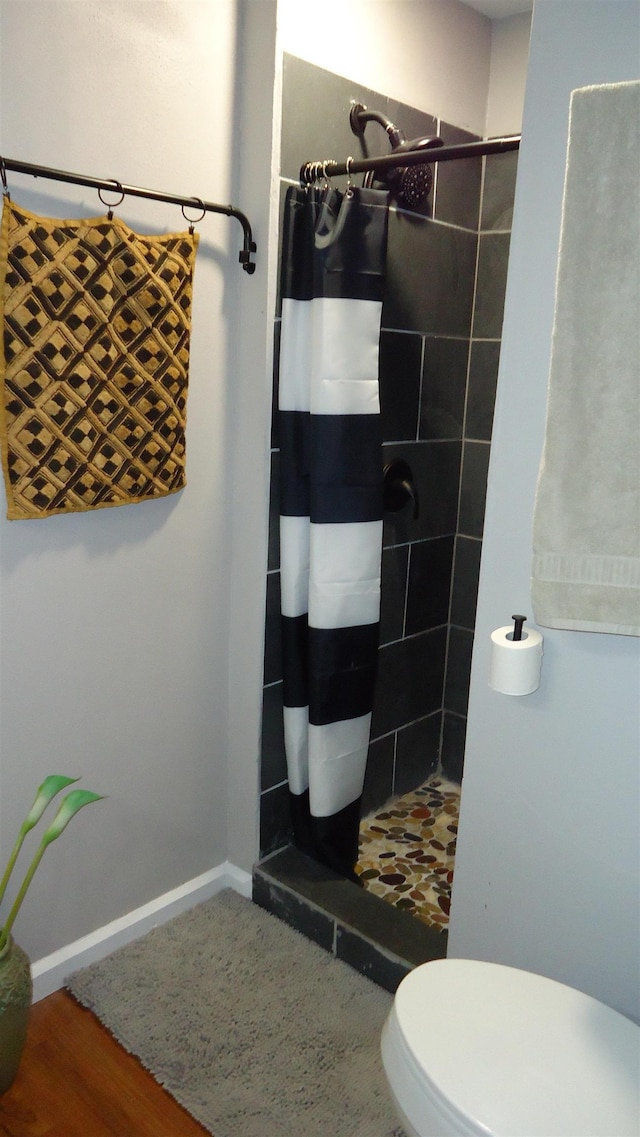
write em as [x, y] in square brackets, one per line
[16, 991]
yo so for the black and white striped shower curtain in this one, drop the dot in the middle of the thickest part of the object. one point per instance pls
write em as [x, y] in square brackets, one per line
[334, 253]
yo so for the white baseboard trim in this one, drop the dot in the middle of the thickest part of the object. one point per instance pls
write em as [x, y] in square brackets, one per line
[50, 972]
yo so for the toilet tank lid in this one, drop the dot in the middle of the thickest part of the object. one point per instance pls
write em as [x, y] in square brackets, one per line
[516, 1053]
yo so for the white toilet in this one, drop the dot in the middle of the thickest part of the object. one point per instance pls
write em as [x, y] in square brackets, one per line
[472, 1048]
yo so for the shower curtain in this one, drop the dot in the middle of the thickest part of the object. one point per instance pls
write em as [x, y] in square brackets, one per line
[334, 253]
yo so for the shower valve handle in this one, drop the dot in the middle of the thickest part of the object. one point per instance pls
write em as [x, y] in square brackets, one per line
[399, 488]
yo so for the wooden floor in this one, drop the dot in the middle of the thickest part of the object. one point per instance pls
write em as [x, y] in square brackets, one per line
[75, 1081]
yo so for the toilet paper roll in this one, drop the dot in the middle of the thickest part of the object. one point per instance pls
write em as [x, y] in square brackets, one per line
[515, 664]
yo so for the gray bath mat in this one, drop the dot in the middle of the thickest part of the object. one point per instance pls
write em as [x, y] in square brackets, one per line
[253, 1029]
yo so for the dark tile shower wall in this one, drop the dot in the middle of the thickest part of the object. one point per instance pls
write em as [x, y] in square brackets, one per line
[438, 366]
[498, 187]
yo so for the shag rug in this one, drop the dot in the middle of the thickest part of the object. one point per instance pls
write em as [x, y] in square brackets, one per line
[255, 1030]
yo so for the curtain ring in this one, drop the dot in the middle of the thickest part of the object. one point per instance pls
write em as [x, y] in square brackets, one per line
[349, 189]
[327, 179]
[198, 201]
[114, 203]
[3, 176]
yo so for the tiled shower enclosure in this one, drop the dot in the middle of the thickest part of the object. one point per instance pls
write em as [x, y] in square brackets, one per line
[439, 351]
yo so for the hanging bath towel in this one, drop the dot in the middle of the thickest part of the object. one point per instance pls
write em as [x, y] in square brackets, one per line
[334, 252]
[586, 534]
[94, 362]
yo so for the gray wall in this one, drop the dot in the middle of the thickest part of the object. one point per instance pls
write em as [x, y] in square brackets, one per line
[547, 861]
[131, 638]
[115, 626]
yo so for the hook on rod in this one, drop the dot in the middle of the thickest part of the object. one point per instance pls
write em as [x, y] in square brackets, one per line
[3, 177]
[113, 204]
[193, 221]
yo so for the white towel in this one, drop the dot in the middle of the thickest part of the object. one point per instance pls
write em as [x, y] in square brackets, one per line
[586, 531]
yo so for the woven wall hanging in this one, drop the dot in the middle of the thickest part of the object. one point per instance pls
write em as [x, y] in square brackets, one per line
[94, 362]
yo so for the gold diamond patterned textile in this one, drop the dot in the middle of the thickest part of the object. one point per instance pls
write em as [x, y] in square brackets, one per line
[94, 363]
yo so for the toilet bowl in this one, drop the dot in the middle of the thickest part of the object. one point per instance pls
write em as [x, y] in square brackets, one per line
[472, 1048]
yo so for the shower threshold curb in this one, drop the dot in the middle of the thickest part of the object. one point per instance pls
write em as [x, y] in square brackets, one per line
[368, 933]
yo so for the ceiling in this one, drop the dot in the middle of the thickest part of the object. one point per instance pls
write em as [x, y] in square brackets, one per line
[496, 9]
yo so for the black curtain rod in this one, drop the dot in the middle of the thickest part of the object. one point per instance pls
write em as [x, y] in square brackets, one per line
[311, 171]
[244, 256]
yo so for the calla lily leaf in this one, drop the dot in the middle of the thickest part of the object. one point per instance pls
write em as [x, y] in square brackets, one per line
[48, 790]
[69, 807]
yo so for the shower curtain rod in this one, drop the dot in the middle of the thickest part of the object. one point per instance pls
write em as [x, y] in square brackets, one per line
[311, 171]
[249, 245]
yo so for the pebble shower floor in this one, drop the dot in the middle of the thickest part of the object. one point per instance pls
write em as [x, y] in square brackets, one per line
[407, 851]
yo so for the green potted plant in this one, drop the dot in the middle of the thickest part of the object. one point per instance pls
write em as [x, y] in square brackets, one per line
[16, 987]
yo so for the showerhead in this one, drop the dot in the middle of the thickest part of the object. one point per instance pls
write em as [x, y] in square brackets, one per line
[410, 185]
[413, 186]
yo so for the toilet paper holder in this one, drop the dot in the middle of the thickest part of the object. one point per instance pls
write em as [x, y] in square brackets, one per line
[515, 659]
[518, 621]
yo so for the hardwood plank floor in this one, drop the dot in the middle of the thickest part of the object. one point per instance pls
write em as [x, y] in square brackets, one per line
[76, 1081]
